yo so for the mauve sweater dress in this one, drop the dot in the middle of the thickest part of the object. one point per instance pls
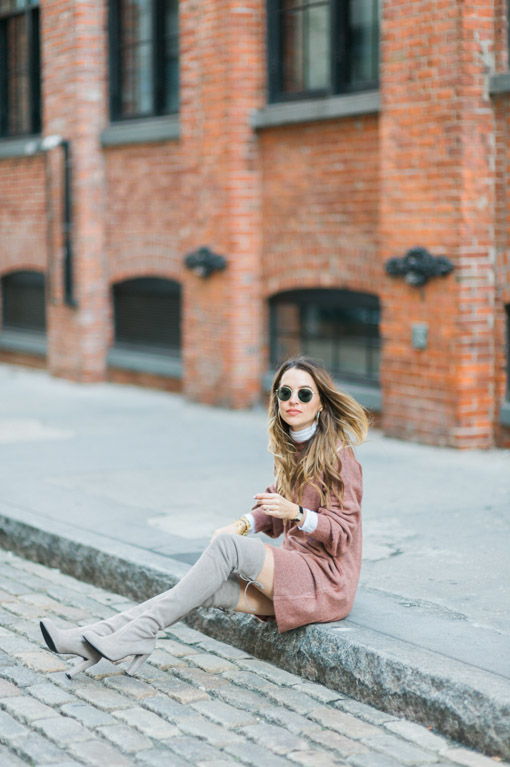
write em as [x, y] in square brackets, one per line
[316, 574]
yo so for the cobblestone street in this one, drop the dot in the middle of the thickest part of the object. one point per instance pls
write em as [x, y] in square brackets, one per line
[196, 701]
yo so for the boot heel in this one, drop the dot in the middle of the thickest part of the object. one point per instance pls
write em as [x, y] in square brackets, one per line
[87, 663]
[135, 664]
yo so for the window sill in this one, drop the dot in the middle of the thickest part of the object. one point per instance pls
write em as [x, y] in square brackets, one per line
[368, 396]
[23, 341]
[20, 147]
[316, 109]
[499, 83]
[146, 130]
[145, 362]
[504, 414]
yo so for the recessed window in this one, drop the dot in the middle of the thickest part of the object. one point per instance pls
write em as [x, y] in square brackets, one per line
[23, 302]
[144, 58]
[20, 76]
[338, 327]
[147, 315]
[322, 47]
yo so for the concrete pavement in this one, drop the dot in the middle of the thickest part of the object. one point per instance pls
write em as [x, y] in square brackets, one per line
[146, 477]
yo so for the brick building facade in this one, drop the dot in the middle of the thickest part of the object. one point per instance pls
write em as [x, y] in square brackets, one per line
[305, 143]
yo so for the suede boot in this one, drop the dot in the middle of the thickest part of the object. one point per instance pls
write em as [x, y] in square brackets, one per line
[227, 554]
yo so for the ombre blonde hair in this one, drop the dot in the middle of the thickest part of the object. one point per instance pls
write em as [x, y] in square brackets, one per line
[342, 422]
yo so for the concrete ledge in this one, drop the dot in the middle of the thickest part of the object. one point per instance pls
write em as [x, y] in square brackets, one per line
[462, 701]
[143, 362]
[20, 147]
[147, 130]
[504, 414]
[26, 343]
[499, 83]
[316, 109]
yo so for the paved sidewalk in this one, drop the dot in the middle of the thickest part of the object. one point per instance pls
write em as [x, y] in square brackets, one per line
[196, 701]
[139, 479]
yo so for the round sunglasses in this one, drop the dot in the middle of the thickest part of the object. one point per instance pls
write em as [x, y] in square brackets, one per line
[305, 394]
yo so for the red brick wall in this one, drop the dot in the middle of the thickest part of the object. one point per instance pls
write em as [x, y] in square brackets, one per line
[22, 216]
[437, 191]
[502, 218]
[73, 53]
[311, 205]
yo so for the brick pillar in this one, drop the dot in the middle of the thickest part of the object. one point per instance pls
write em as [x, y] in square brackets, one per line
[437, 191]
[74, 98]
[221, 82]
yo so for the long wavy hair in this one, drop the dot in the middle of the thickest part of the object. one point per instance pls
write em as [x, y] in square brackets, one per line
[342, 422]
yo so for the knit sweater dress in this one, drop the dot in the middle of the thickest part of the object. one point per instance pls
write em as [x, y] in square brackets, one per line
[316, 574]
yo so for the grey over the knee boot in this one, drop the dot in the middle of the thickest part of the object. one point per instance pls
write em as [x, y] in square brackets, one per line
[71, 642]
[228, 553]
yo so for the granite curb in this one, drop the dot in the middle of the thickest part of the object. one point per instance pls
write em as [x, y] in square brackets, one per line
[464, 702]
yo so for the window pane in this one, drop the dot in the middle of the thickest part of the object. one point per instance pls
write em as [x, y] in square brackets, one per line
[23, 303]
[18, 90]
[338, 327]
[136, 50]
[292, 52]
[364, 40]
[7, 6]
[171, 54]
[318, 47]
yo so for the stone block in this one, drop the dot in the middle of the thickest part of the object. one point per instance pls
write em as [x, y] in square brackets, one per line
[147, 723]
[274, 738]
[221, 713]
[199, 727]
[108, 700]
[256, 756]
[96, 753]
[211, 663]
[7, 689]
[125, 738]
[87, 715]
[63, 730]
[28, 710]
[51, 694]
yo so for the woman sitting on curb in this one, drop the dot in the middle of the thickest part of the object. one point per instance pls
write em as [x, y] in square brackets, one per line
[315, 502]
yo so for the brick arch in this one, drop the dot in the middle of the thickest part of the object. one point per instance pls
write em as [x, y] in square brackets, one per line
[21, 266]
[134, 271]
[315, 281]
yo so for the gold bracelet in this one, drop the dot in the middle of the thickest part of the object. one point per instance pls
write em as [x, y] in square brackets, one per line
[244, 526]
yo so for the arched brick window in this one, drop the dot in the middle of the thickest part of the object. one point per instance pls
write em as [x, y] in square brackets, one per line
[147, 316]
[338, 327]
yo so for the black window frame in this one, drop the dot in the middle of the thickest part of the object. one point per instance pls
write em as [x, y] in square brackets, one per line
[327, 298]
[157, 61]
[340, 56]
[31, 14]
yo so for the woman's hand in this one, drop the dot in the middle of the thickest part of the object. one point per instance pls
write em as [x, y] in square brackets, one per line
[276, 505]
[228, 529]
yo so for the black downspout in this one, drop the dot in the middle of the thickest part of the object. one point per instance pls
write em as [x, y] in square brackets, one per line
[69, 298]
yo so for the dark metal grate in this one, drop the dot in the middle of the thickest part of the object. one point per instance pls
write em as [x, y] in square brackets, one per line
[147, 313]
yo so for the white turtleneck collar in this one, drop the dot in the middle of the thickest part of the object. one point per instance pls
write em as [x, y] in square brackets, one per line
[304, 434]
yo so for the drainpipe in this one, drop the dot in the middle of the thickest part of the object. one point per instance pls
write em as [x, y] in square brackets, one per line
[46, 144]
